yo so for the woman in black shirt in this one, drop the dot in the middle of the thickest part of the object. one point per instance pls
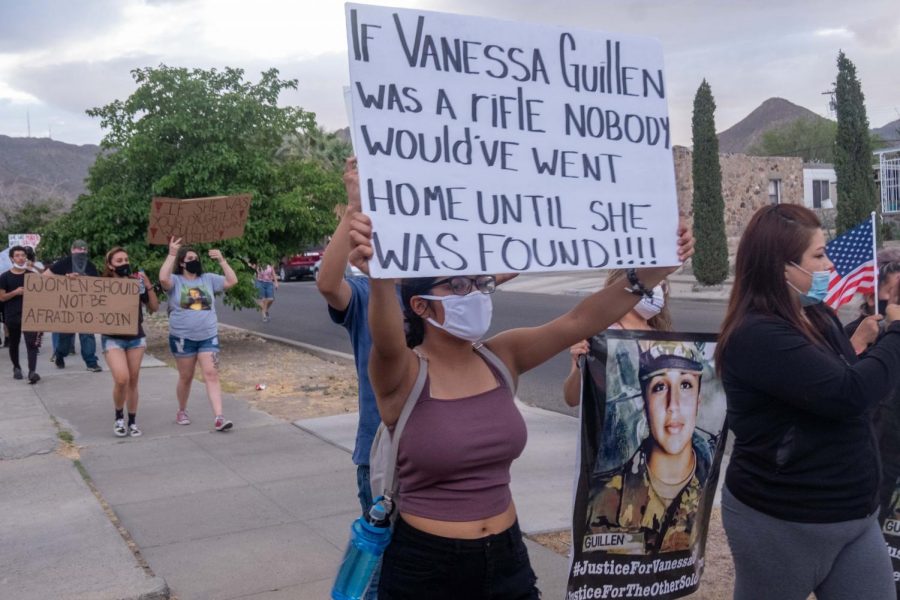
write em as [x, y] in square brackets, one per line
[12, 288]
[801, 488]
[123, 353]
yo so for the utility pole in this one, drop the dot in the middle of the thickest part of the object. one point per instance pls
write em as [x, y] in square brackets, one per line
[832, 106]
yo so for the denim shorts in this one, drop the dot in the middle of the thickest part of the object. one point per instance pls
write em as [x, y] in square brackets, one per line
[266, 289]
[107, 343]
[421, 565]
[183, 347]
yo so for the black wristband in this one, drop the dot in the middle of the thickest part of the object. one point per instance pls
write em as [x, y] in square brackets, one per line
[636, 287]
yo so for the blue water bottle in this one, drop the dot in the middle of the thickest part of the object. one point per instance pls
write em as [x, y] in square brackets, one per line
[369, 536]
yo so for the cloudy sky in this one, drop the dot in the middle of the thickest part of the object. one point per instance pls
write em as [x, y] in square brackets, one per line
[60, 57]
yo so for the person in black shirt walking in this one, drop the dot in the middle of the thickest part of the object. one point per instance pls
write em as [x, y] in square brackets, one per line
[801, 490]
[12, 288]
[76, 263]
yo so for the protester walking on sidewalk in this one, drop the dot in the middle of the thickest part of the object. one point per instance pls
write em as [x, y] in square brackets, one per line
[12, 288]
[77, 263]
[123, 353]
[193, 325]
[457, 535]
[801, 489]
[266, 284]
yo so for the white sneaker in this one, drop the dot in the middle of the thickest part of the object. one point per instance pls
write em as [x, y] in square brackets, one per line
[119, 429]
[133, 430]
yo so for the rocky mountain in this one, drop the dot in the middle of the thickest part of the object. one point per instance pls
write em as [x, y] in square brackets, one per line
[890, 133]
[772, 113]
[40, 168]
[776, 112]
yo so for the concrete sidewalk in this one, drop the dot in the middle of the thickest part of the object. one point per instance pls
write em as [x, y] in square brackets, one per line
[261, 512]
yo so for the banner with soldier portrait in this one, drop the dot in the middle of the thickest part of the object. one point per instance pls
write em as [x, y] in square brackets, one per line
[652, 439]
[890, 526]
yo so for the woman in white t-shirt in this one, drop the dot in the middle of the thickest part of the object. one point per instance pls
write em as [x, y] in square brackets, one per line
[193, 326]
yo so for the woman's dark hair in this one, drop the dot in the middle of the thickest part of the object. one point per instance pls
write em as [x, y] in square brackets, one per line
[414, 324]
[776, 236]
[107, 271]
[662, 321]
[179, 258]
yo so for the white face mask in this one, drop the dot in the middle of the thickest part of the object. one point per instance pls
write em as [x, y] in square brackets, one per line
[466, 317]
[650, 307]
[20, 265]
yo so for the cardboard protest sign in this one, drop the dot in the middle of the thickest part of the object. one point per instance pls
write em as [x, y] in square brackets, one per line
[198, 220]
[648, 398]
[25, 239]
[490, 146]
[82, 304]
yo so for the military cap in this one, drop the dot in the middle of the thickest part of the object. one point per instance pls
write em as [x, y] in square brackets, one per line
[657, 356]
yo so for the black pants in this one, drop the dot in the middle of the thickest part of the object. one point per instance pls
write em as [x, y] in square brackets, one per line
[31, 339]
[420, 565]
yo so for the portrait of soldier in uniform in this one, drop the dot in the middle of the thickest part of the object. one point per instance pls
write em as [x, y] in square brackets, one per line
[654, 498]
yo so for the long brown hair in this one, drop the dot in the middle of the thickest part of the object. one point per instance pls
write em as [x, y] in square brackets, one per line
[776, 236]
[662, 321]
[108, 272]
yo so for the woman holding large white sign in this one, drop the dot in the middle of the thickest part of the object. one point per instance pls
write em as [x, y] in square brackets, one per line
[457, 535]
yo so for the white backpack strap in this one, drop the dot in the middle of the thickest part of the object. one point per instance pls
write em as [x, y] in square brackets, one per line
[498, 364]
[390, 477]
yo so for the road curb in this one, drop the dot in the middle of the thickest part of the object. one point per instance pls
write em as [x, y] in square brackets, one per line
[584, 293]
[323, 353]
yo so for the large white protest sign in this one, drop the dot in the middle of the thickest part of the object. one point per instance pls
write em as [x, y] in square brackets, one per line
[491, 146]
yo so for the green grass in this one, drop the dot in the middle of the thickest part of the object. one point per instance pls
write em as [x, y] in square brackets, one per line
[81, 470]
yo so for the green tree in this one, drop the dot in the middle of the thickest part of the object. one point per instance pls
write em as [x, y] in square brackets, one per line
[710, 260]
[31, 216]
[192, 133]
[856, 197]
[810, 139]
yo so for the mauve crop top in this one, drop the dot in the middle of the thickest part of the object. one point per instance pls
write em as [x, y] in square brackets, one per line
[454, 455]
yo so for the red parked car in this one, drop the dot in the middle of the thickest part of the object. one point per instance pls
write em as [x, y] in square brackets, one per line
[299, 265]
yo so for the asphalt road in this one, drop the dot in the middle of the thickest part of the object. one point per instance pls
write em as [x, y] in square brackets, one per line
[300, 314]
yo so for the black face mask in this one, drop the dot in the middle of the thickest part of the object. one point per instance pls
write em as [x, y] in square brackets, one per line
[123, 270]
[882, 306]
[193, 267]
[79, 262]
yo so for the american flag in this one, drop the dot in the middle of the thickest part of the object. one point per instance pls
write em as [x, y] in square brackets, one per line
[853, 255]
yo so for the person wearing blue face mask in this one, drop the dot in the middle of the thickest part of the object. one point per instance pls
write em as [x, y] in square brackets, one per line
[800, 500]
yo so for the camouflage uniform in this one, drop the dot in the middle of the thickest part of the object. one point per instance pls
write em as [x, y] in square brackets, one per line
[625, 502]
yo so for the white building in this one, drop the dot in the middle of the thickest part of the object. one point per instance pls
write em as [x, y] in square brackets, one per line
[819, 185]
[888, 178]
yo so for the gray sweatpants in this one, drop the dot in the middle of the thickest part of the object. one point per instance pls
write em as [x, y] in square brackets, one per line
[785, 560]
